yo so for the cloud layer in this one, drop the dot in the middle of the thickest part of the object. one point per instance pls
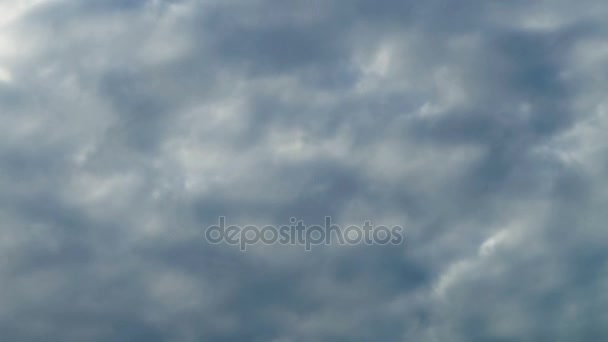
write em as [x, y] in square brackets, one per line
[130, 126]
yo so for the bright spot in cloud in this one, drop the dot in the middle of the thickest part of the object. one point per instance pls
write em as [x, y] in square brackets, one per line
[5, 75]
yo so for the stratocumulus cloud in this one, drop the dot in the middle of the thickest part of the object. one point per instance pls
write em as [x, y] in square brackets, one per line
[128, 127]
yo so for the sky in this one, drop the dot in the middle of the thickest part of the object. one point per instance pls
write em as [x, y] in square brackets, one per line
[129, 126]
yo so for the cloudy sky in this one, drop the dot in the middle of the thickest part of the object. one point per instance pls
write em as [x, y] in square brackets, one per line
[129, 126]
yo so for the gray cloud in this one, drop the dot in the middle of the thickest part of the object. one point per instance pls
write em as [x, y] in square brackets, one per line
[130, 126]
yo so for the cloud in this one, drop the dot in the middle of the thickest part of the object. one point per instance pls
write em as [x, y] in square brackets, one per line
[130, 126]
